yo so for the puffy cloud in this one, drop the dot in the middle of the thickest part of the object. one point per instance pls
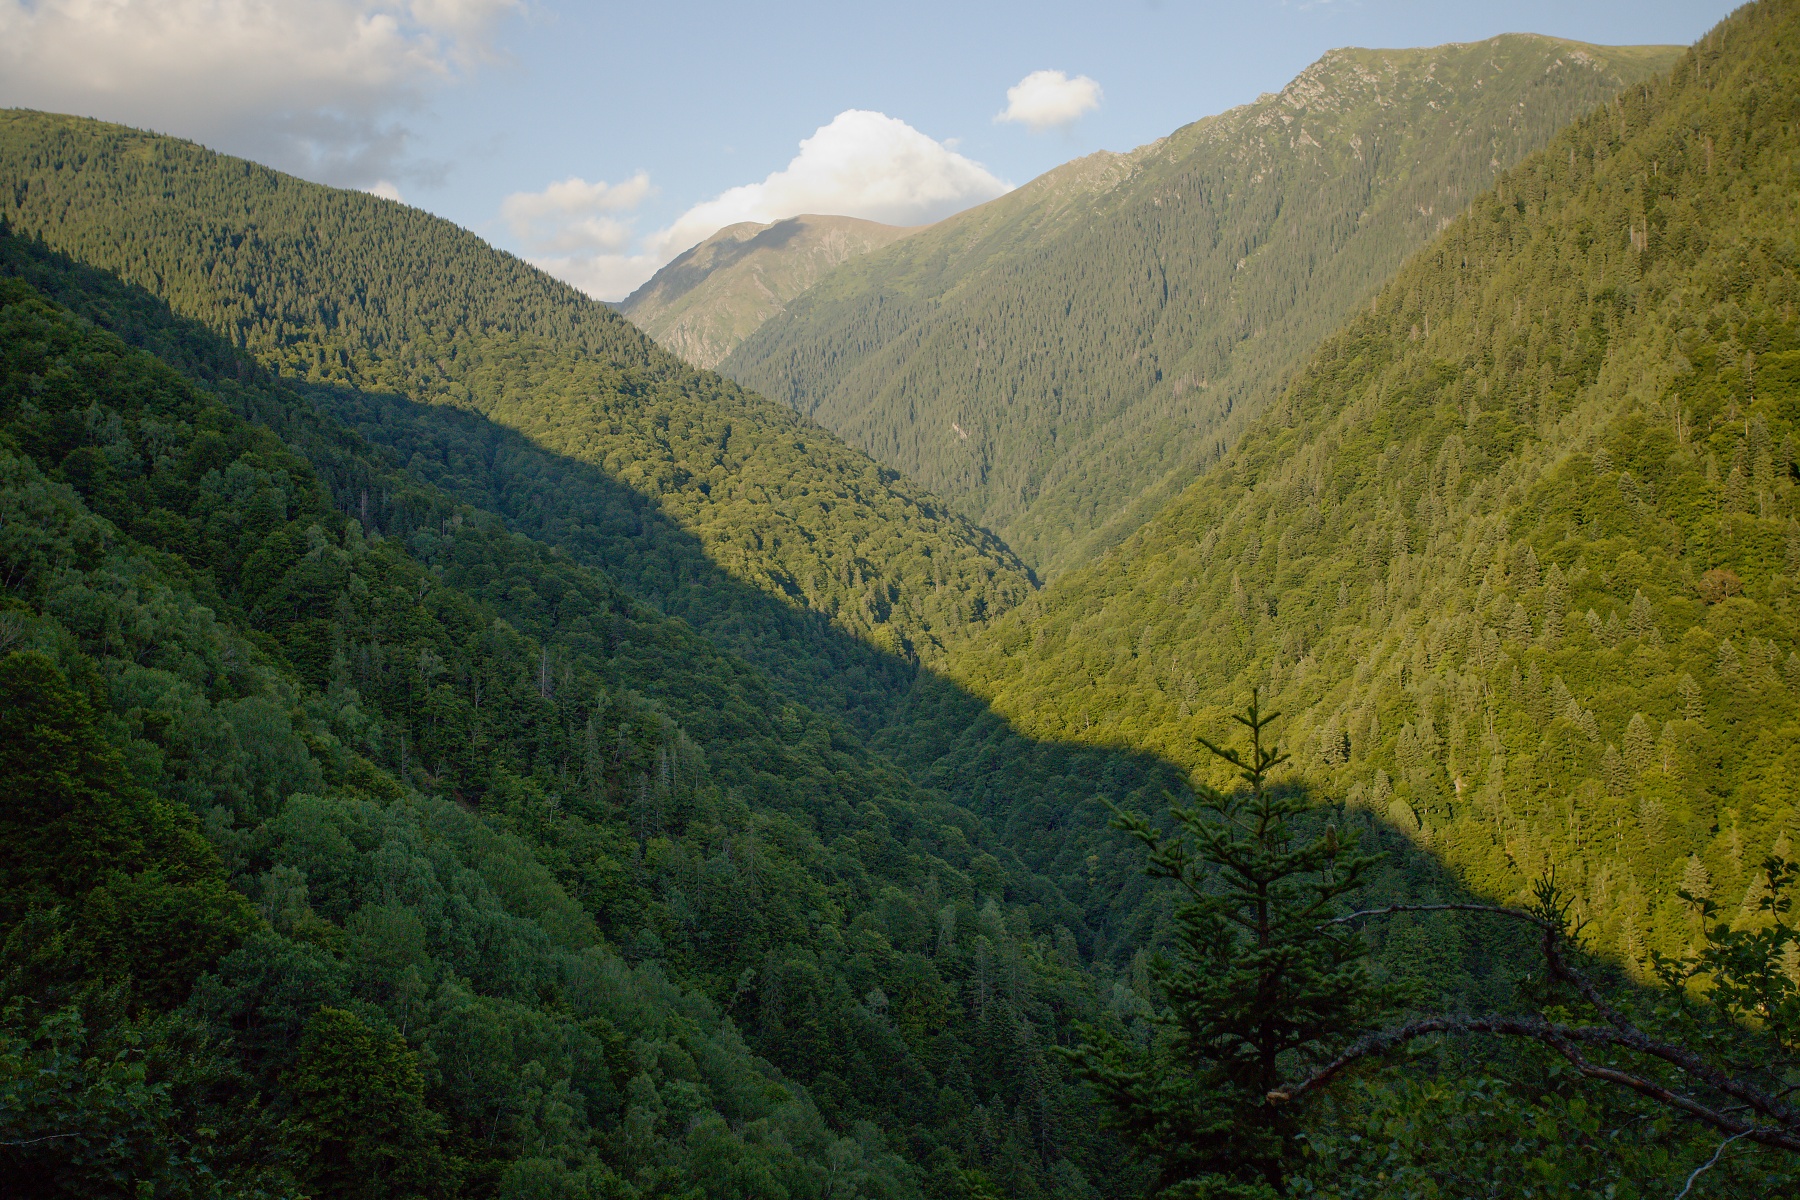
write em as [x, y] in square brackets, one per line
[387, 190]
[1050, 100]
[861, 164]
[312, 86]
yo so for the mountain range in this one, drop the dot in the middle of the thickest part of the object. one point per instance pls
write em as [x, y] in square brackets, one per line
[1057, 361]
[458, 748]
[709, 298]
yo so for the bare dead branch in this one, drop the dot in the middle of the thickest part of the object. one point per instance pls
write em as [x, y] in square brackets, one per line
[48, 1137]
[1708, 1165]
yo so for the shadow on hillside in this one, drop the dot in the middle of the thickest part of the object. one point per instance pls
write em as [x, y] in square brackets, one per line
[1038, 799]
[604, 523]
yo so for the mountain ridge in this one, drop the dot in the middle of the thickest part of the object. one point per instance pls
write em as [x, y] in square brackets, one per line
[1111, 324]
[710, 297]
[679, 483]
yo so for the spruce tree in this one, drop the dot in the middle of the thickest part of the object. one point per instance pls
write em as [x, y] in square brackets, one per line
[1255, 984]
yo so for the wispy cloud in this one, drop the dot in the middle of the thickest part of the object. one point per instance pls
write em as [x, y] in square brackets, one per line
[575, 215]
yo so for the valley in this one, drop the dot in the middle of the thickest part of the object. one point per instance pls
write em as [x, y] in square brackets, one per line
[774, 736]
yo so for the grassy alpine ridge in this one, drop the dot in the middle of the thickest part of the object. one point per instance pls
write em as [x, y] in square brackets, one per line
[416, 858]
[1517, 549]
[679, 484]
[1044, 359]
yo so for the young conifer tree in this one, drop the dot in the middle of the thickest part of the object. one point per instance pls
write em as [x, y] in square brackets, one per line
[1256, 985]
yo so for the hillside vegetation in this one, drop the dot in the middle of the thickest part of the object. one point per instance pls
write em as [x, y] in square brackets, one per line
[412, 857]
[1517, 549]
[1046, 358]
[807, 558]
[434, 717]
[711, 297]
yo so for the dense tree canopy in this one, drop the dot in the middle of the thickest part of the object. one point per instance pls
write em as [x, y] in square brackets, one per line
[1106, 330]
[468, 870]
[515, 393]
[408, 792]
[1517, 548]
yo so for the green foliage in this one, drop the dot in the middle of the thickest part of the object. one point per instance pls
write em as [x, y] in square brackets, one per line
[1748, 969]
[1505, 549]
[72, 816]
[1470, 550]
[359, 1113]
[1436, 1134]
[1256, 987]
[797, 554]
[115, 1110]
[141, 893]
[305, 580]
[1062, 361]
[634, 912]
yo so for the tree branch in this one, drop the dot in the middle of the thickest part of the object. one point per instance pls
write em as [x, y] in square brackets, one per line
[1708, 1165]
[1518, 914]
[1631, 1036]
[1563, 1040]
[48, 1137]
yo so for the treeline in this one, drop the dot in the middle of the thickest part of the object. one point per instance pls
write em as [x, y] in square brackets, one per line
[427, 862]
[824, 569]
[1042, 371]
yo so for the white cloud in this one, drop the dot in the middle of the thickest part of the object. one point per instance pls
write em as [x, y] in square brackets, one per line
[312, 86]
[862, 164]
[575, 215]
[1050, 100]
[603, 276]
[386, 189]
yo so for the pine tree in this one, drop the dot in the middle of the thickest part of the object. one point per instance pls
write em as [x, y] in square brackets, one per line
[360, 1116]
[1640, 744]
[1254, 987]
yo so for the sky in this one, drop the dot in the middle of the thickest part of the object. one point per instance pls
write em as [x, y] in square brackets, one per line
[599, 140]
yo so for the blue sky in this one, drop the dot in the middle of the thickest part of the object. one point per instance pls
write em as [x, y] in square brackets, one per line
[599, 139]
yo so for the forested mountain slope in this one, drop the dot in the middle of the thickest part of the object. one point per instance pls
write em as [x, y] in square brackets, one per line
[1044, 359]
[810, 560]
[1517, 549]
[711, 297]
[413, 857]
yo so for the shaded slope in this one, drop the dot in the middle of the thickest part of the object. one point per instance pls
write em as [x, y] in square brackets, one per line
[708, 299]
[490, 802]
[1517, 549]
[1045, 358]
[680, 484]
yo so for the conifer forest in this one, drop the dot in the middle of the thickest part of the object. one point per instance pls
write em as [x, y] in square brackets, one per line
[1333, 730]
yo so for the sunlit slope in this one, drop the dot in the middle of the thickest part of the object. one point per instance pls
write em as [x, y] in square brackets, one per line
[717, 505]
[1044, 359]
[1516, 551]
[711, 297]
